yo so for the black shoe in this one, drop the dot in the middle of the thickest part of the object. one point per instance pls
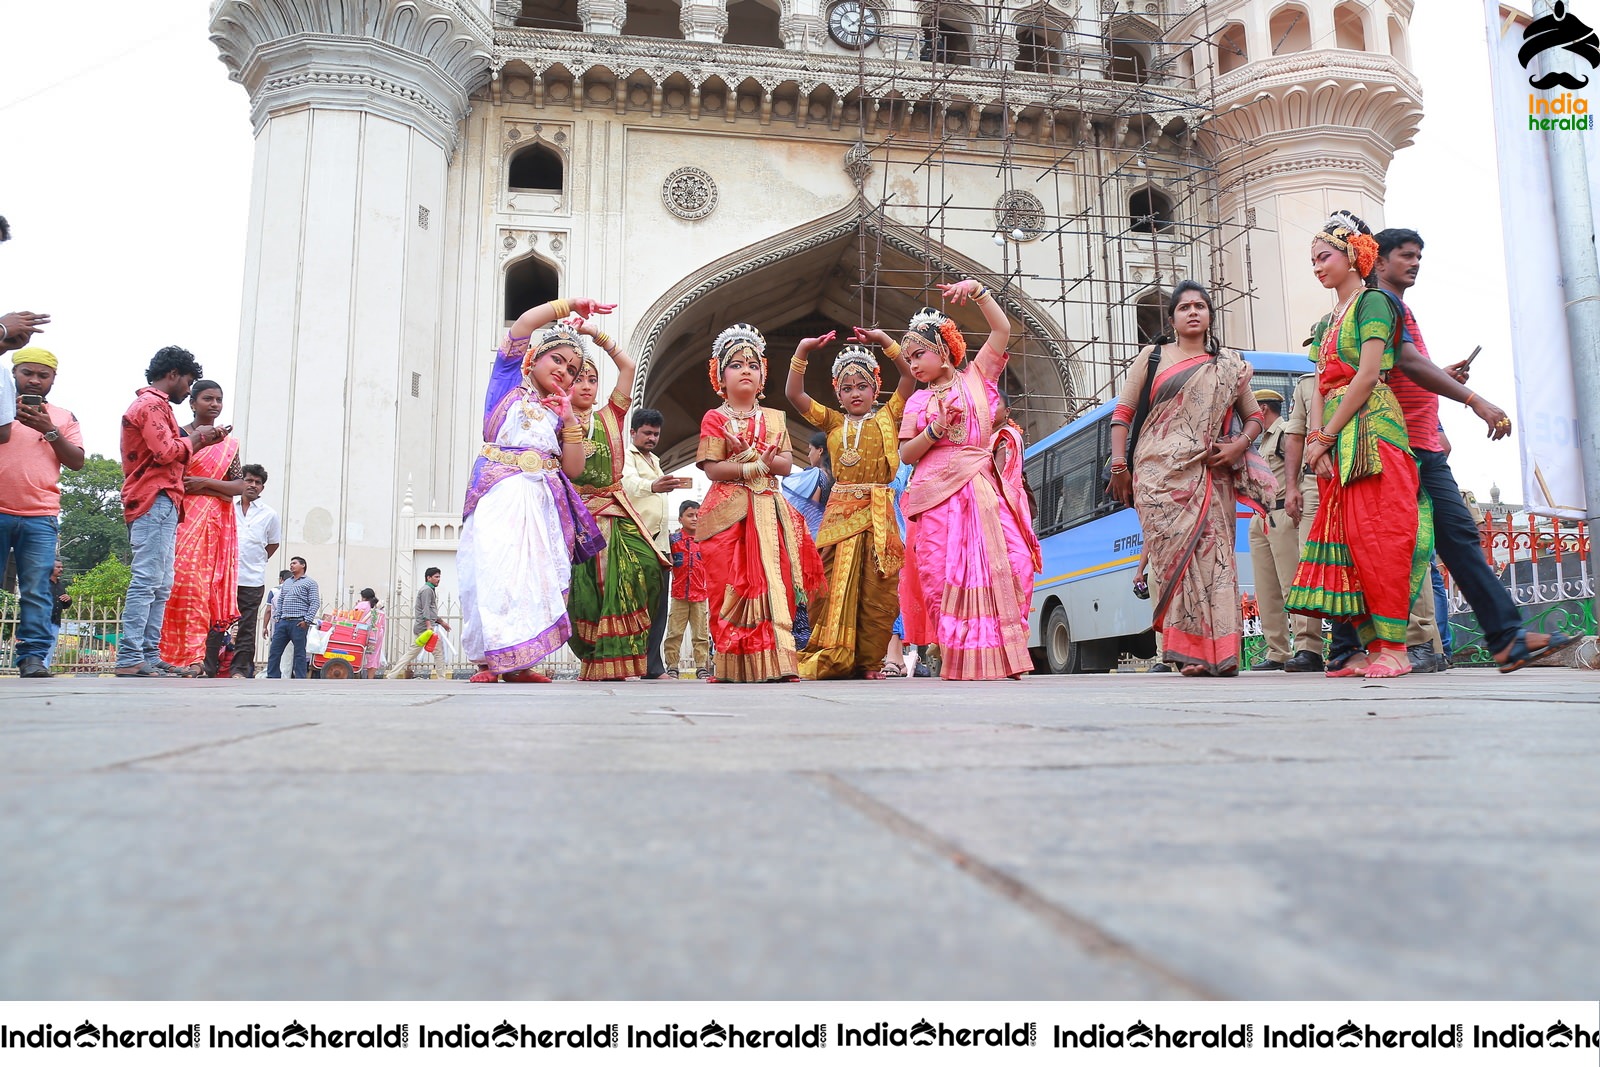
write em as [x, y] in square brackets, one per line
[1304, 662]
[1424, 660]
[1160, 668]
[32, 667]
[1268, 665]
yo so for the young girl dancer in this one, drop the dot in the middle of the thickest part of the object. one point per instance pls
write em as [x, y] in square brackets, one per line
[967, 559]
[760, 563]
[859, 538]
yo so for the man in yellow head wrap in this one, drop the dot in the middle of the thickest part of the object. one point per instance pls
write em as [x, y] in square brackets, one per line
[43, 439]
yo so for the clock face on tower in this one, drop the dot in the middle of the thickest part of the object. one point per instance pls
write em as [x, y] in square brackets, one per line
[853, 23]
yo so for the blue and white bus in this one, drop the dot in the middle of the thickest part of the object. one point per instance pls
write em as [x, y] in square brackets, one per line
[1084, 614]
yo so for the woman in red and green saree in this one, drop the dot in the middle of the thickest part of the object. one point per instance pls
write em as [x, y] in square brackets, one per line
[205, 587]
[1368, 550]
[613, 593]
[1192, 465]
[760, 561]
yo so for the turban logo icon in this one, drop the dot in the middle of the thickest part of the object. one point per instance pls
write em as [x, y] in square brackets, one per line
[1559, 29]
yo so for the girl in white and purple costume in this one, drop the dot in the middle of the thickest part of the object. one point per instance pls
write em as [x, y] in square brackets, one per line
[525, 525]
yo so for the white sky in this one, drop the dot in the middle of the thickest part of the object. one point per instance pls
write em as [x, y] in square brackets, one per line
[128, 180]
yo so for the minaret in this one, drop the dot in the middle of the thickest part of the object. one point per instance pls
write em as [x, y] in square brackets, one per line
[357, 107]
[1312, 99]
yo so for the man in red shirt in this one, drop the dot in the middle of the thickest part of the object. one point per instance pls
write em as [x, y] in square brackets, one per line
[155, 456]
[43, 439]
[688, 595]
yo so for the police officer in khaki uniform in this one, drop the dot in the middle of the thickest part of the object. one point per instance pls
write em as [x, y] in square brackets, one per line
[1275, 553]
[1299, 506]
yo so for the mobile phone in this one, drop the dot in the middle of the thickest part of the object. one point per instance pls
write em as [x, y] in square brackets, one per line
[32, 400]
[1472, 357]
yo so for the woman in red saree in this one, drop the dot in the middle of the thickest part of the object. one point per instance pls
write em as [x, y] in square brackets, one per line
[205, 588]
[1368, 551]
[1192, 464]
[760, 562]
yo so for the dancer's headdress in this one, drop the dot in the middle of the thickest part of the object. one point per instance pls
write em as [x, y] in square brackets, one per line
[740, 337]
[1350, 235]
[939, 331]
[857, 359]
[555, 335]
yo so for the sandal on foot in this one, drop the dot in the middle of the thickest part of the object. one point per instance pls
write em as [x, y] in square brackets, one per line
[893, 670]
[1519, 654]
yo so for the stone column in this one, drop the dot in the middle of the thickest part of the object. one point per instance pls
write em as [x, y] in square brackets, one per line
[704, 22]
[356, 108]
[603, 16]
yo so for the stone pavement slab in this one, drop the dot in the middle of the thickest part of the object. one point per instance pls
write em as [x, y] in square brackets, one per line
[1120, 837]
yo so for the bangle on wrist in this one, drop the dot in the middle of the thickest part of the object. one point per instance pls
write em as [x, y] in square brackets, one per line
[603, 339]
[1467, 403]
[798, 366]
[561, 308]
[892, 350]
[1118, 466]
[981, 292]
[931, 435]
[5, 331]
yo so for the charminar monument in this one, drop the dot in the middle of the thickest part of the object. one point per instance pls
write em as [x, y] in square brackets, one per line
[425, 170]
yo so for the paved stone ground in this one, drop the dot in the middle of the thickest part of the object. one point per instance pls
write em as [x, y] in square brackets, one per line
[1091, 837]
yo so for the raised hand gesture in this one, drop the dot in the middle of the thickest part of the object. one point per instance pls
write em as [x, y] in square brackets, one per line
[873, 336]
[585, 306]
[809, 344]
[560, 405]
[961, 292]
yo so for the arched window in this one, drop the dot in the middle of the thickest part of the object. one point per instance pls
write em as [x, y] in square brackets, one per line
[1130, 60]
[1289, 30]
[653, 18]
[538, 168]
[1232, 52]
[1150, 316]
[946, 41]
[550, 15]
[1149, 211]
[529, 283]
[1040, 42]
[753, 22]
[1349, 30]
[1397, 40]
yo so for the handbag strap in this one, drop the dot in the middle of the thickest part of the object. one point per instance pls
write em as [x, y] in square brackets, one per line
[1142, 411]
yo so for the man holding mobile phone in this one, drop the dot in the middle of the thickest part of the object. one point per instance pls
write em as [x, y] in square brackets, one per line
[155, 459]
[43, 439]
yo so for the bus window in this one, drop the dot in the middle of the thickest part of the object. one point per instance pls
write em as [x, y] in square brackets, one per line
[1045, 490]
[1077, 470]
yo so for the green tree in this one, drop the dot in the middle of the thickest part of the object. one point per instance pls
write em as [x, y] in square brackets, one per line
[92, 528]
[104, 585]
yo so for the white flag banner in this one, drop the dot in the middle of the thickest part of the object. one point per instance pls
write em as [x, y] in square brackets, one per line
[1524, 117]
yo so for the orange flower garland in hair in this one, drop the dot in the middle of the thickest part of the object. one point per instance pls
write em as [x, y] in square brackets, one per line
[1364, 250]
[955, 342]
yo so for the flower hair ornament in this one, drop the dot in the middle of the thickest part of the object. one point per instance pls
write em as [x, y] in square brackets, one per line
[934, 329]
[857, 359]
[740, 337]
[1346, 233]
[555, 335]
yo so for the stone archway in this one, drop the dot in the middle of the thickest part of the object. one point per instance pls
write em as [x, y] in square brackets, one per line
[804, 282]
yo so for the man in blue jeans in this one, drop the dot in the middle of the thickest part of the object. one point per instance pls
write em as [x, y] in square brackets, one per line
[43, 439]
[1418, 383]
[299, 604]
[155, 457]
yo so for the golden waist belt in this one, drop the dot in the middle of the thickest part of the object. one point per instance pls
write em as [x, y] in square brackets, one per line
[857, 490]
[530, 461]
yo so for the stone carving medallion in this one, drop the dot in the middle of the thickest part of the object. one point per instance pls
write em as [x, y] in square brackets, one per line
[689, 193]
[1019, 210]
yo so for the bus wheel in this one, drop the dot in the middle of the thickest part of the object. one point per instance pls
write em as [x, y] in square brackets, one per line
[1059, 651]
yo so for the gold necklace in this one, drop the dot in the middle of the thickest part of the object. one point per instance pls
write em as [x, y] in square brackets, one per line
[590, 446]
[850, 454]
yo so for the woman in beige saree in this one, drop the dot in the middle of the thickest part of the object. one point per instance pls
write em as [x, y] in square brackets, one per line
[1192, 464]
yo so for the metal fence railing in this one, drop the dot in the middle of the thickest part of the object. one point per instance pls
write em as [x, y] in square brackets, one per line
[1546, 565]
